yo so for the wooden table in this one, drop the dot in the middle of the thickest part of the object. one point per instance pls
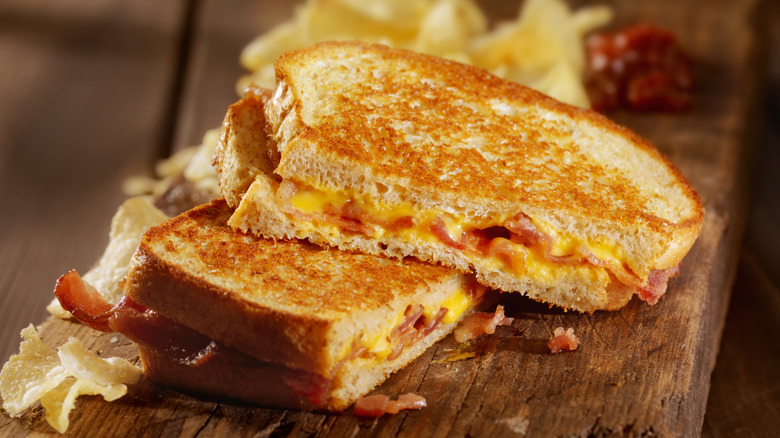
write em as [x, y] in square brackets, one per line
[93, 92]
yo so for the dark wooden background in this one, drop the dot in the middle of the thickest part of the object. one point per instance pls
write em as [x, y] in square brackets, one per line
[94, 91]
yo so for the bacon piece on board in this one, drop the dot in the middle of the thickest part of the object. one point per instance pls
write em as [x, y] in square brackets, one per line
[563, 341]
[380, 404]
[481, 323]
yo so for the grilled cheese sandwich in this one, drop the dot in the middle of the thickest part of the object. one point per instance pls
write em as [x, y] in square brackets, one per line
[391, 152]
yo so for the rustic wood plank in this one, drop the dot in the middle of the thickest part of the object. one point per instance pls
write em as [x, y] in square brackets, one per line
[83, 99]
[643, 370]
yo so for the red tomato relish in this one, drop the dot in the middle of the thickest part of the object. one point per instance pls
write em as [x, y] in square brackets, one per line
[641, 68]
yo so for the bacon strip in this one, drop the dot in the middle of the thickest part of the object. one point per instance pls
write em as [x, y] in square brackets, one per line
[372, 405]
[526, 231]
[83, 301]
[481, 323]
[406, 401]
[412, 329]
[309, 385]
[179, 342]
[380, 404]
[141, 325]
[657, 282]
[439, 229]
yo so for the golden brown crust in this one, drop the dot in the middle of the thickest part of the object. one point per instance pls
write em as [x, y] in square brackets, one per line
[288, 302]
[456, 135]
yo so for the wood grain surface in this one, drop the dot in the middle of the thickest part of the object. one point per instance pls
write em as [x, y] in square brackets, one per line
[92, 92]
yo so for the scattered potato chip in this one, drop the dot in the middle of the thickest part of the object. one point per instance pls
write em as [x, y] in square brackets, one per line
[440, 27]
[58, 378]
[61, 400]
[28, 375]
[83, 364]
[130, 222]
[447, 28]
[542, 48]
[174, 164]
[199, 169]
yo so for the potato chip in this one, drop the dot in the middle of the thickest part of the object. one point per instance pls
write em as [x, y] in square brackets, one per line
[61, 400]
[199, 169]
[265, 48]
[83, 364]
[336, 20]
[587, 20]
[28, 375]
[130, 222]
[174, 164]
[448, 26]
[542, 48]
[58, 378]
[400, 13]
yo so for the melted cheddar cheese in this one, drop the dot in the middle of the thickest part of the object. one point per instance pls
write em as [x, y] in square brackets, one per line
[530, 260]
[380, 344]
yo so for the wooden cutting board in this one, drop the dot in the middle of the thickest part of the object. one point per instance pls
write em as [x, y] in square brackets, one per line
[642, 371]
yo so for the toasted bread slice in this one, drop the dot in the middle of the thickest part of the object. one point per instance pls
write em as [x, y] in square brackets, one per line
[237, 160]
[446, 162]
[344, 317]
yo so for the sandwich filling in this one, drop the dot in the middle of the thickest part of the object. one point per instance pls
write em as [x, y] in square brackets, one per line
[189, 348]
[518, 243]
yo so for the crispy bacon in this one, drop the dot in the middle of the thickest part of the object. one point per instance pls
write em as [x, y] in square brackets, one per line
[406, 401]
[481, 323]
[149, 328]
[439, 229]
[371, 405]
[411, 315]
[83, 301]
[431, 326]
[563, 341]
[506, 251]
[621, 272]
[411, 329]
[657, 282]
[139, 324]
[526, 231]
[312, 386]
[380, 404]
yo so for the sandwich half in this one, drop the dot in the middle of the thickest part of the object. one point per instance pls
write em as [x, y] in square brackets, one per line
[386, 151]
[280, 323]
